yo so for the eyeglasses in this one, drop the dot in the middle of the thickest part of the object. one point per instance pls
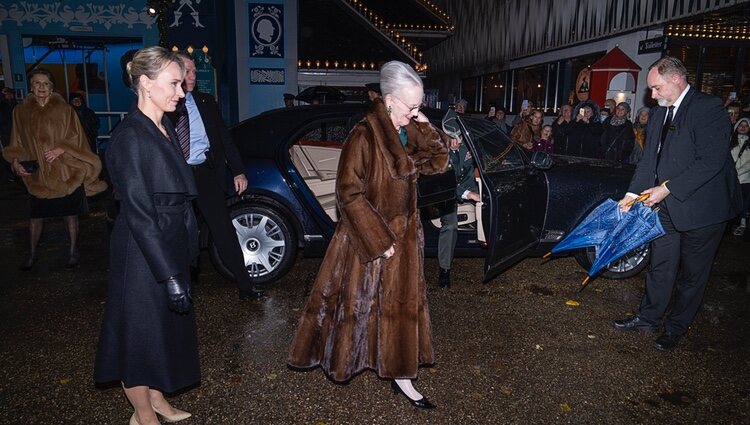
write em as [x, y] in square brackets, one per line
[414, 109]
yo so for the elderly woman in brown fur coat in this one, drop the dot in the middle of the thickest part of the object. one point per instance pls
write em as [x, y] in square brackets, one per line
[368, 307]
[50, 151]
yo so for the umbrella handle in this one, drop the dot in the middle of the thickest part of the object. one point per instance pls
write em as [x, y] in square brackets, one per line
[585, 282]
[640, 198]
[643, 196]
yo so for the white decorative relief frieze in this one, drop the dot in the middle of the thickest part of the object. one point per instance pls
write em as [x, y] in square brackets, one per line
[44, 13]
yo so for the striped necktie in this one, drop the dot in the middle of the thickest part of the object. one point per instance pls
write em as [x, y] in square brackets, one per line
[183, 133]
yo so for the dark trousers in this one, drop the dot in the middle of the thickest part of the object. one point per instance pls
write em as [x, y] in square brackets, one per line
[212, 206]
[690, 253]
[448, 237]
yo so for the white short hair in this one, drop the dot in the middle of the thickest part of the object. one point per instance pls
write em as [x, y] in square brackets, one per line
[395, 75]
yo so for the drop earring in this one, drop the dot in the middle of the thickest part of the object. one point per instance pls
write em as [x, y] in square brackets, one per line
[390, 110]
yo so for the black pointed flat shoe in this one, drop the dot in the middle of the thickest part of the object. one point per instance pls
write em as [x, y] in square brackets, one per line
[422, 403]
[28, 264]
[73, 260]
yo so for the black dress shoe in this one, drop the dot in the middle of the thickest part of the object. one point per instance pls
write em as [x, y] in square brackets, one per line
[73, 260]
[635, 323]
[422, 403]
[252, 294]
[667, 341]
[444, 278]
[28, 264]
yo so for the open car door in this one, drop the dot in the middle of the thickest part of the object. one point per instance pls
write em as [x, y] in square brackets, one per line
[514, 196]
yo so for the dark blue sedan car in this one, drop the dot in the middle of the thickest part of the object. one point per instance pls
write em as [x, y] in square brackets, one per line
[529, 202]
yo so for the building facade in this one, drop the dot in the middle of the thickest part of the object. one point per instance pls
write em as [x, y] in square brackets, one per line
[504, 52]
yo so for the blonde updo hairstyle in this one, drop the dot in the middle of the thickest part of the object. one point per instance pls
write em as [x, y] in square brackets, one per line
[151, 61]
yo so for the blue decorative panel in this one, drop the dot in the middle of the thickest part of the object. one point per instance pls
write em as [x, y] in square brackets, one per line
[266, 75]
[84, 17]
[266, 30]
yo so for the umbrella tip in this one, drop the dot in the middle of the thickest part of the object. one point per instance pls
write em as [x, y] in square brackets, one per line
[585, 281]
[547, 255]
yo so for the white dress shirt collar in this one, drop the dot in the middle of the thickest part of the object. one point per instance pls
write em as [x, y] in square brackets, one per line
[677, 102]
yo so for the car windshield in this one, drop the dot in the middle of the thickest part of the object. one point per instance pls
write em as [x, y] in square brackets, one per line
[496, 151]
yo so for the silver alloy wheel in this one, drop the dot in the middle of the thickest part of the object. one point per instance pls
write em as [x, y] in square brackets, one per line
[627, 266]
[629, 261]
[262, 241]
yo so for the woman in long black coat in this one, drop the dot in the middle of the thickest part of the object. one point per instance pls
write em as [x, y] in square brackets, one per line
[617, 136]
[148, 339]
[585, 133]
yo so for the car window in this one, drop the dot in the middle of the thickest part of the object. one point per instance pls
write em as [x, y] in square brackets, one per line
[316, 151]
[496, 151]
[315, 154]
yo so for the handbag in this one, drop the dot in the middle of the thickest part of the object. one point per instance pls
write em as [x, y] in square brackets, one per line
[30, 166]
[436, 188]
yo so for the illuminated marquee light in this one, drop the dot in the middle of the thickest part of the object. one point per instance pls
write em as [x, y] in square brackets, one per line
[712, 30]
[385, 27]
[346, 64]
[388, 29]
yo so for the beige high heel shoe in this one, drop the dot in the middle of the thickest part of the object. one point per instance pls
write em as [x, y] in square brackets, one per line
[178, 416]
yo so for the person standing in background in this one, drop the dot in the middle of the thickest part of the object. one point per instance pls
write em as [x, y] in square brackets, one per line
[527, 131]
[545, 142]
[560, 128]
[585, 133]
[617, 136]
[288, 100]
[373, 91]
[498, 118]
[7, 103]
[208, 148]
[59, 169]
[740, 145]
[89, 121]
[639, 132]
[461, 106]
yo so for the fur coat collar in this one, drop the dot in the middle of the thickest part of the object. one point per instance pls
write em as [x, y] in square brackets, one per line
[420, 149]
[37, 129]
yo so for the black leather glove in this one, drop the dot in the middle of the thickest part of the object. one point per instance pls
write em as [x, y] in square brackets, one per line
[178, 293]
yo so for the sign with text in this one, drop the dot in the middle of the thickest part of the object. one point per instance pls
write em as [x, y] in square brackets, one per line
[205, 78]
[652, 45]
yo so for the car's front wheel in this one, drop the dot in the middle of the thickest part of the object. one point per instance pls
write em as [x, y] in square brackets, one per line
[627, 266]
[268, 244]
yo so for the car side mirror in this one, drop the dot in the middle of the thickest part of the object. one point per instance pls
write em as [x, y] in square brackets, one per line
[541, 160]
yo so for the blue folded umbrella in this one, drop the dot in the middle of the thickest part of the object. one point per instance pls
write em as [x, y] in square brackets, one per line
[593, 229]
[638, 226]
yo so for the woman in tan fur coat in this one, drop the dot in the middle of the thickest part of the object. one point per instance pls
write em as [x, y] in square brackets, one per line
[47, 132]
[368, 307]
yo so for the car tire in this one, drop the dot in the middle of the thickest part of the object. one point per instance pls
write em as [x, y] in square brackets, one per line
[629, 265]
[269, 252]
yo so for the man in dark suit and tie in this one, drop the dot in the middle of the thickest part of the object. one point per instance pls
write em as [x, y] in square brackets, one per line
[687, 170]
[209, 150]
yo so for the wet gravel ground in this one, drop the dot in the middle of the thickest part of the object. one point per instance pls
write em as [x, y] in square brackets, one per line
[511, 351]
